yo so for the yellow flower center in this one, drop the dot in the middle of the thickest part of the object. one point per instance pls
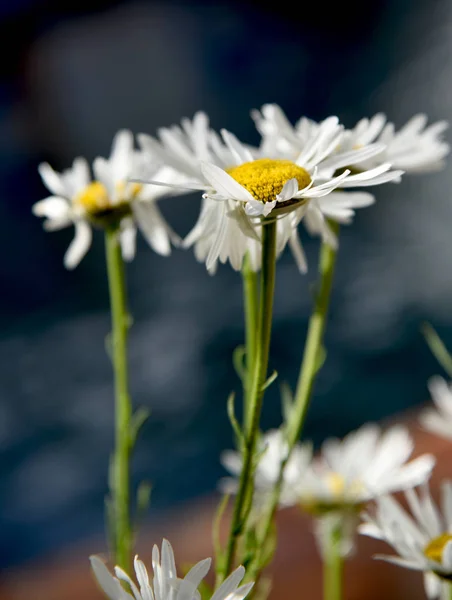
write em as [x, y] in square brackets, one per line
[265, 178]
[336, 484]
[434, 549]
[94, 198]
[97, 204]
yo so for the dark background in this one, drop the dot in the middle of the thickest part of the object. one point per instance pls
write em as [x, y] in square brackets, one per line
[71, 76]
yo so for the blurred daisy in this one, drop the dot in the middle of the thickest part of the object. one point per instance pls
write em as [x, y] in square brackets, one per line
[242, 186]
[109, 200]
[364, 465]
[422, 540]
[438, 420]
[165, 584]
[273, 450]
[415, 148]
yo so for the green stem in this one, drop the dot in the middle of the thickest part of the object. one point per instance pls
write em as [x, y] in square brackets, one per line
[312, 352]
[333, 566]
[306, 379]
[264, 323]
[450, 591]
[120, 484]
[250, 300]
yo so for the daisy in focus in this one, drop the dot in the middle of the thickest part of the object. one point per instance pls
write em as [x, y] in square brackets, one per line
[422, 539]
[244, 186]
[438, 419]
[109, 200]
[165, 584]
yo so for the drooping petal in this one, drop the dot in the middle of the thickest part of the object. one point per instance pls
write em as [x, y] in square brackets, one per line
[79, 245]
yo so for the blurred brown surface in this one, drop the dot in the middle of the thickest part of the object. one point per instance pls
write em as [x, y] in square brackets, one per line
[295, 570]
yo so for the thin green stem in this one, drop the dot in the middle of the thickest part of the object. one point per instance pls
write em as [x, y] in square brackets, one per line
[333, 566]
[120, 484]
[306, 379]
[313, 347]
[450, 591]
[264, 324]
[250, 301]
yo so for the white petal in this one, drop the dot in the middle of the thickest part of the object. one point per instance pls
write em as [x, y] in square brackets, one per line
[127, 239]
[109, 584]
[52, 180]
[254, 208]
[230, 584]
[298, 252]
[79, 245]
[153, 226]
[238, 150]
[224, 184]
[288, 191]
[53, 207]
[432, 585]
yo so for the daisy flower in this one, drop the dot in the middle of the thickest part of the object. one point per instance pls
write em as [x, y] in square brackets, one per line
[273, 450]
[438, 420]
[243, 187]
[364, 465]
[415, 148]
[165, 584]
[109, 200]
[422, 539]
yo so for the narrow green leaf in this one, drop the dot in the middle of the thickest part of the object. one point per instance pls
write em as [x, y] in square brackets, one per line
[233, 420]
[437, 348]
[137, 421]
[216, 528]
[270, 380]
[238, 360]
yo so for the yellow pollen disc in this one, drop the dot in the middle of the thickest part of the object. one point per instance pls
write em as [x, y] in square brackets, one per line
[336, 484]
[265, 178]
[434, 549]
[94, 198]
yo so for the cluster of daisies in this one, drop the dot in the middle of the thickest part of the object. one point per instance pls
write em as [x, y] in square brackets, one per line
[300, 173]
[350, 484]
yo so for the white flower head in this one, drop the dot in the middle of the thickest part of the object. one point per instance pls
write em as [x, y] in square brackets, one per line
[422, 539]
[273, 451]
[244, 185]
[110, 199]
[165, 584]
[415, 148]
[438, 419]
[366, 464]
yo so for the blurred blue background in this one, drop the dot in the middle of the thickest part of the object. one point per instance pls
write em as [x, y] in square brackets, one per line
[70, 78]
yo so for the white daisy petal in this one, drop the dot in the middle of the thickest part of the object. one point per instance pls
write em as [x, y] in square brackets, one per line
[225, 184]
[79, 245]
[52, 180]
[127, 239]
